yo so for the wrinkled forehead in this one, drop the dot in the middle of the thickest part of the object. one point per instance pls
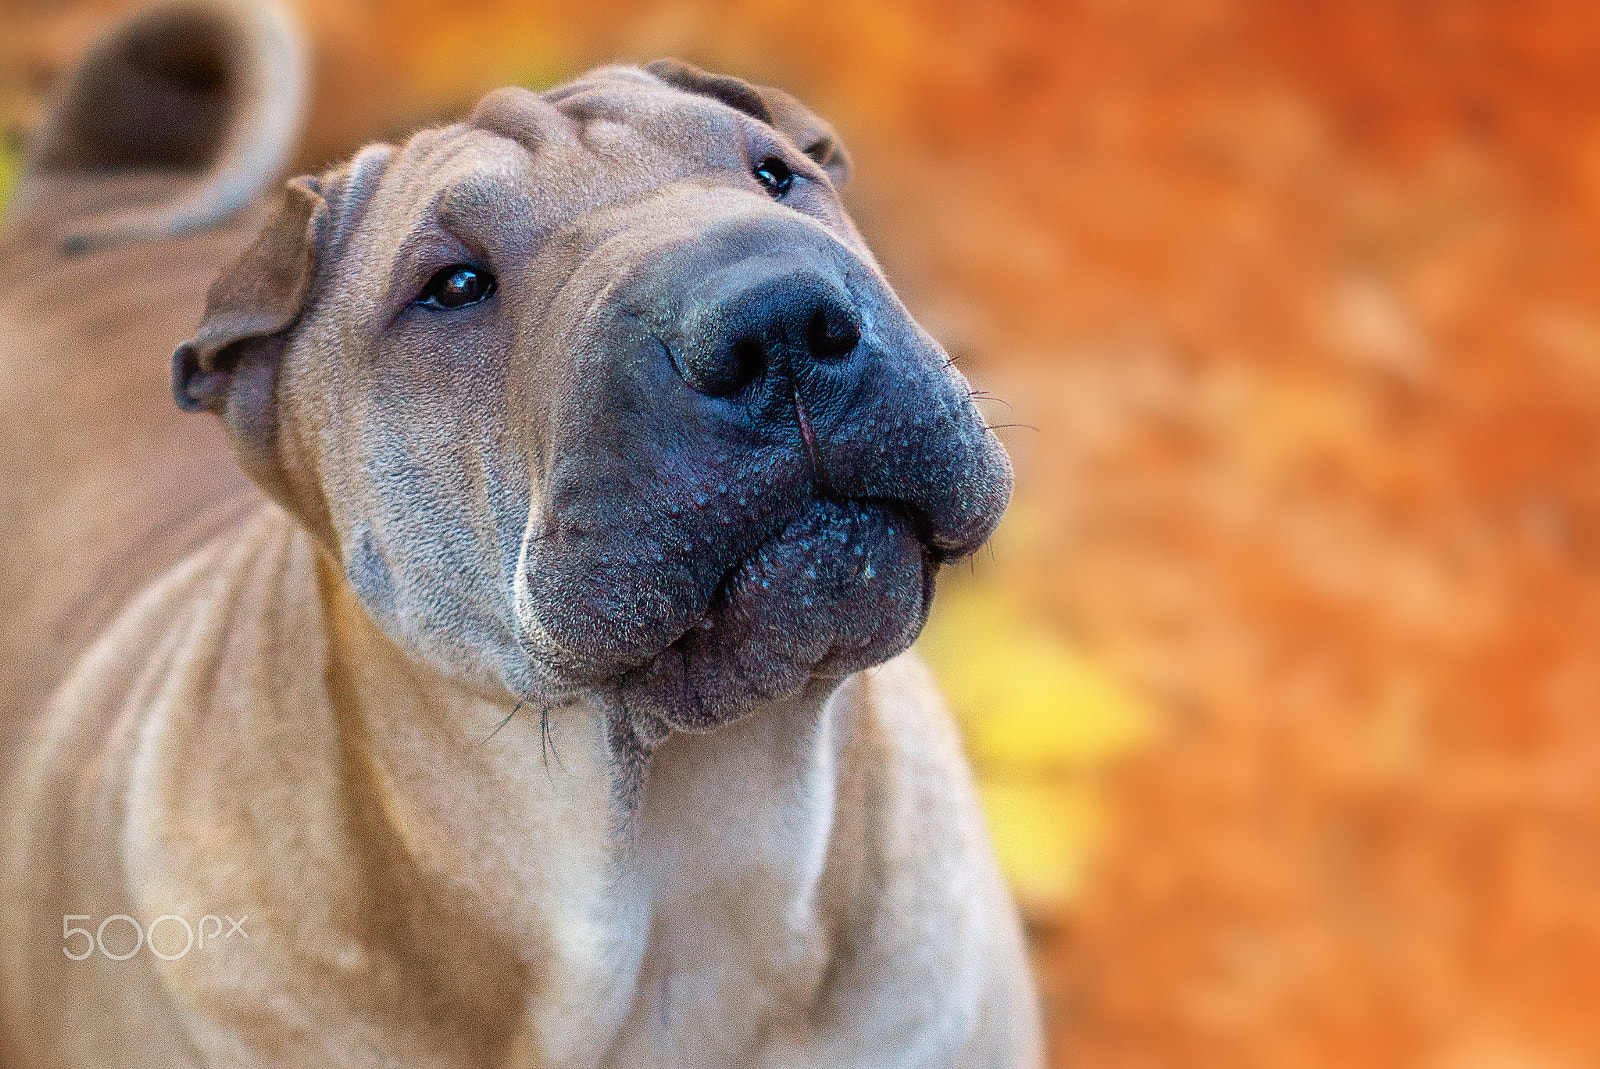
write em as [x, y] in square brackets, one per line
[536, 161]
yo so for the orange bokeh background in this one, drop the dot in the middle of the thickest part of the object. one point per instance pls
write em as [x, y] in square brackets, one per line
[1304, 301]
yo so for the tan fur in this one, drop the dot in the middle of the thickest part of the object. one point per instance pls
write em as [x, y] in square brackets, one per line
[802, 886]
[203, 718]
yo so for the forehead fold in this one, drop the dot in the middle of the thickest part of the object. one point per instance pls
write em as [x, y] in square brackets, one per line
[683, 123]
[524, 117]
[454, 165]
[487, 191]
[612, 111]
[522, 164]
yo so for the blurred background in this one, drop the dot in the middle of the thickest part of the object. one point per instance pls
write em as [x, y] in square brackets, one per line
[1281, 680]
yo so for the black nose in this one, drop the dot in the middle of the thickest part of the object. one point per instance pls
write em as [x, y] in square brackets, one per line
[761, 314]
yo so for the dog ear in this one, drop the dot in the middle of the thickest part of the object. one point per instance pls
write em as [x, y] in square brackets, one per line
[232, 364]
[252, 304]
[810, 133]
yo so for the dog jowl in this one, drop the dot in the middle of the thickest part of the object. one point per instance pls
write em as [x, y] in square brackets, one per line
[600, 392]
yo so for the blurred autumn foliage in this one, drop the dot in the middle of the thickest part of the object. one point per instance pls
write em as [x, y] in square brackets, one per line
[1282, 678]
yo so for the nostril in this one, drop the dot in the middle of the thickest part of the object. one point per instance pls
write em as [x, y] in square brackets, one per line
[760, 317]
[742, 363]
[832, 334]
[749, 361]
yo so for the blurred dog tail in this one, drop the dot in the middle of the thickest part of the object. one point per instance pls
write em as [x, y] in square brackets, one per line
[212, 88]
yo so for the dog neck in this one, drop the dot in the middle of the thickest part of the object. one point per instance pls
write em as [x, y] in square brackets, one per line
[612, 890]
[245, 741]
[416, 873]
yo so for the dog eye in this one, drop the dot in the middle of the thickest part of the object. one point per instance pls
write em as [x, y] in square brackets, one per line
[457, 285]
[775, 175]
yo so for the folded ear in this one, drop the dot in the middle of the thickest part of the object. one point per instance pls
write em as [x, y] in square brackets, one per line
[810, 133]
[232, 365]
[252, 305]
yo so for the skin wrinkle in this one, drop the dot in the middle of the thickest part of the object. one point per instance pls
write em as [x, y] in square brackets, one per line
[423, 252]
[530, 730]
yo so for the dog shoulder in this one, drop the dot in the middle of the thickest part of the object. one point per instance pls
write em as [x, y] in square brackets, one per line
[170, 694]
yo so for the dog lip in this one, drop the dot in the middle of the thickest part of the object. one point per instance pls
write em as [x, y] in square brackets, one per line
[836, 660]
[933, 556]
[585, 671]
[912, 517]
[938, 550]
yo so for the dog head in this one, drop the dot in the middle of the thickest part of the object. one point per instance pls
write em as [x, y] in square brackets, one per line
[600, 391]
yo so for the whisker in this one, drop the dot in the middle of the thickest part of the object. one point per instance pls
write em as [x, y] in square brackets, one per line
[547, 743]
[503, 723]
[983, 395]
[1003, 426]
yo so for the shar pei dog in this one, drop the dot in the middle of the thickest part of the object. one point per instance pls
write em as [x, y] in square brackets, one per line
[506, 665]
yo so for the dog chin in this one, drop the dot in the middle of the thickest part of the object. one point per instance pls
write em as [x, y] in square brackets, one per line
[845, 586]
